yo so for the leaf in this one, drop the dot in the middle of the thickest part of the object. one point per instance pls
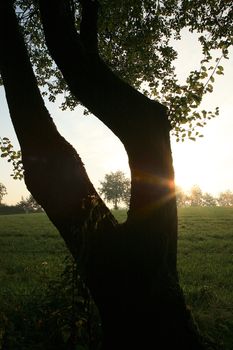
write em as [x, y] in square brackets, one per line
[209, 88]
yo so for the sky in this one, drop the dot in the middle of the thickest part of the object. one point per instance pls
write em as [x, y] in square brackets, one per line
[208, 162]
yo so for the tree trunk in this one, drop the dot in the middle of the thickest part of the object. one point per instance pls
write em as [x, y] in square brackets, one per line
[115, 204]
[130, 269]
[136, 285]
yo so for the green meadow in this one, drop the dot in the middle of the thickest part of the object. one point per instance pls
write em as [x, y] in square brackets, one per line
[32, 259]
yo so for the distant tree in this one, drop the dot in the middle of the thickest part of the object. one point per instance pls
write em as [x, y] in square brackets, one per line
[225, 199]
[116, 188]
[181, 197]
[196, 195]
[29, 204]
[3, 192]
[208, 200]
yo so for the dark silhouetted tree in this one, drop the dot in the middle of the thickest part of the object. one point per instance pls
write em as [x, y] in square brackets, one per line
[107, 56]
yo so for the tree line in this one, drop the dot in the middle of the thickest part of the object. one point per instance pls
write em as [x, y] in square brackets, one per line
[115, 189]
[197, 198]
[25, 205]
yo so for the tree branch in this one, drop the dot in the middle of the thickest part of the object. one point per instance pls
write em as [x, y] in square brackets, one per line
[54, 173]
[89, 79]
[139, 122]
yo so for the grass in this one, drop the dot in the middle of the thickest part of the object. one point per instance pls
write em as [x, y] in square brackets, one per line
[31, 251]
[32, 254]
[205, 263]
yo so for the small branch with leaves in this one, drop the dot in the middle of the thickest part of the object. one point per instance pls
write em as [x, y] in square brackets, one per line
[14, 157]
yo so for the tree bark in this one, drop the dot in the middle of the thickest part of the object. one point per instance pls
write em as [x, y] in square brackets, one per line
[131, 268]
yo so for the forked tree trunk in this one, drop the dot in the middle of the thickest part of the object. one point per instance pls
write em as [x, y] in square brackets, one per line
[130, 269]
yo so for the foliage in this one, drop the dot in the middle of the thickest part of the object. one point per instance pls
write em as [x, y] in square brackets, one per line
[225, 199]
[196, 198]
[135, 39]
[181, 197]
[29, 204]
[209, 201]
[14, 157]
[3, 191]
[116, 188]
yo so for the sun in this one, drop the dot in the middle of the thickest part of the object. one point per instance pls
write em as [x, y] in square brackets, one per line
[193, 167]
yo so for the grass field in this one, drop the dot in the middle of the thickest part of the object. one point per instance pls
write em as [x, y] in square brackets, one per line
[32, 256]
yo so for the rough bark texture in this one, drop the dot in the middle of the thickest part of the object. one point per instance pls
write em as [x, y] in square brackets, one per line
[130, 268]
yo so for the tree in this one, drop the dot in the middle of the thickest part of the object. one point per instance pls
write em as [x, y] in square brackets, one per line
[181, 197]
[130, 269]
[3, 192]
[116, 188]
[225, 199]
[196, 196]
[208, 200]
[29, 204]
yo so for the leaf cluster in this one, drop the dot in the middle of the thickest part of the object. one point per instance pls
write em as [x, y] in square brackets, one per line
[14, 157]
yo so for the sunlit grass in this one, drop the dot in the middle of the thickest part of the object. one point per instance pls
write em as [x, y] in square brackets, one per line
[120, 214]
[32, 254]
[205, 263]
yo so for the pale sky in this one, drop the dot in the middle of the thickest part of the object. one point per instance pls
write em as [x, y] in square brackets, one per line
[207, 162]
